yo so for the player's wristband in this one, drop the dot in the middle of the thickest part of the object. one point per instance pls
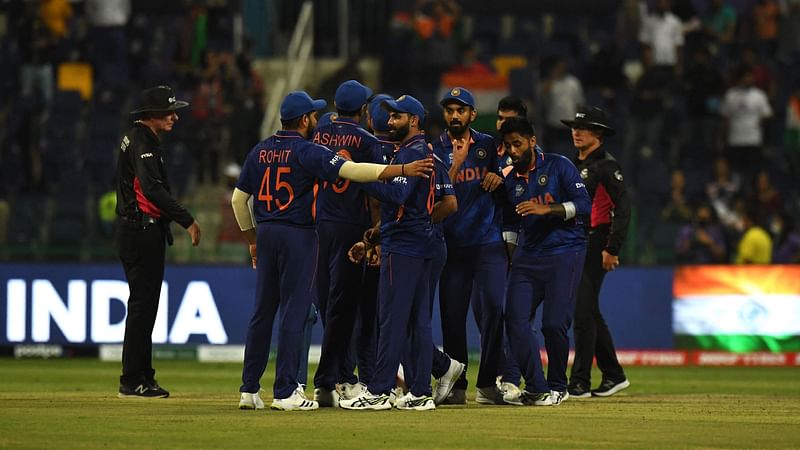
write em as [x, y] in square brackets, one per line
[511, 237]
[569, 210]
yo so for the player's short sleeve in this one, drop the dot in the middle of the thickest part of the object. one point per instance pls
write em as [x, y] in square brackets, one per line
[444, 186]
[321, 162]
[247, 175]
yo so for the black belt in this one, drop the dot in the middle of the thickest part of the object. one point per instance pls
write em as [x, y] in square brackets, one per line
[141, 220]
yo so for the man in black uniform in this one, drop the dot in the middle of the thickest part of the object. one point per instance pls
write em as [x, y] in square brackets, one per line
[145, 208]
[609, 222]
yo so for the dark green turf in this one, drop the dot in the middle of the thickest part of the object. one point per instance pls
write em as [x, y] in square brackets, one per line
[72, 404]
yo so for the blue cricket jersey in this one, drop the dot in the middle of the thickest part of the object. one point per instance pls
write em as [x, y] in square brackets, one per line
[553, 179]
[406, 204]
[282, 174]
[443, 186]
[344, 201]
[478, 220]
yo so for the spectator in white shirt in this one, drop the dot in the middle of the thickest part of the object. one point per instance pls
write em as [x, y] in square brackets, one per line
[744, 109]
[662, 33]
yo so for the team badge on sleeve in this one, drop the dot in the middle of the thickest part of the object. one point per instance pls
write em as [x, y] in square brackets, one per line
[481, 153]
[584, 173]
[542, 179]
[618, 175]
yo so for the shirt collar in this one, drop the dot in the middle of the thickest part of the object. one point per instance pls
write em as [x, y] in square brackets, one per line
[445, 137]
[538, 155]
[349, 120]
[414, 140]
[289, 134]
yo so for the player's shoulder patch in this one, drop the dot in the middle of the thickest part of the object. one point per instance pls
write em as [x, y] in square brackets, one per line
[618, 175]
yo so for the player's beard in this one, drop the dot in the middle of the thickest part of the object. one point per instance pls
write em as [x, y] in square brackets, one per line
[399, 134]
[523, 163]
[457, 128]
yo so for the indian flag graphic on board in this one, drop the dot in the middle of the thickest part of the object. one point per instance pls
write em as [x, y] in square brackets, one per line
[737, 308]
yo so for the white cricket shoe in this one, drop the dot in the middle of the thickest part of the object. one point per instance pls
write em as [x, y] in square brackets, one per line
[295, 402]
[347, 391]
[367, 401]
[445, 384]
[558, 397]
[511, 393]
[413, 403]
[250, 401]
[536, 398]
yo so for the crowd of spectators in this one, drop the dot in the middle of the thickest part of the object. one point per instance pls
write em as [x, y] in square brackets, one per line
[705, 94]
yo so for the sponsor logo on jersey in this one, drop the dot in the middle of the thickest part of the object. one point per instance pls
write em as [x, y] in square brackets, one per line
[580, 185]
[146, 155]
[542, 179]
[519, 190]
[124, 144]
[584, 173]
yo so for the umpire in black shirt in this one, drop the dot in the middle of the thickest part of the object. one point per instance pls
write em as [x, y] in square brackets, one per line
[611, 211]
[145, 209]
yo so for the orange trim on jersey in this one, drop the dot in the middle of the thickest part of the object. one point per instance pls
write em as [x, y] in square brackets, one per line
[145, 205]
[314, 201]
[507, 170]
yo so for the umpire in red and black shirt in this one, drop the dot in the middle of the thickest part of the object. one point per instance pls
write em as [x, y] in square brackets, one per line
[145, 208]
[611, 212]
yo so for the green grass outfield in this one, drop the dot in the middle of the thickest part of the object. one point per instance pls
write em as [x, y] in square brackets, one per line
[71, 403]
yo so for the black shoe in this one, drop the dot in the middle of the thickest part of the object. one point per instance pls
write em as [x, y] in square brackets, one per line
[579, 391]
[146, 390]
[609, 387]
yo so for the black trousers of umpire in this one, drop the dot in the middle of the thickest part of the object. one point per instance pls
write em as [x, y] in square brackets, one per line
[141, 250]
[592, 337]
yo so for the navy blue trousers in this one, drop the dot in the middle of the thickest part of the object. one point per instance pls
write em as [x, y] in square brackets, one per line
[484, 267]
[285, 287]
[404, 312]
[552, 280]
[338, 291]
[441, 362]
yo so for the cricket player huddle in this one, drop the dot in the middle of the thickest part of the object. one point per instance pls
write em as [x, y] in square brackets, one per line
[356, 216]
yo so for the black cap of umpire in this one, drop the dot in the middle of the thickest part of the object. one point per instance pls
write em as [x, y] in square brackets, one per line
[158, 99]
[591, 117]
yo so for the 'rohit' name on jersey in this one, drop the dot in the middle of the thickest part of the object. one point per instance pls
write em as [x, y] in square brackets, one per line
[274, 156]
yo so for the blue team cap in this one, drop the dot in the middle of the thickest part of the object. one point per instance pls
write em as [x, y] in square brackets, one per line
[298, 103]
[407, 104]
[460, 95]
[351, 95]
[380, 117]
[326, 119]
